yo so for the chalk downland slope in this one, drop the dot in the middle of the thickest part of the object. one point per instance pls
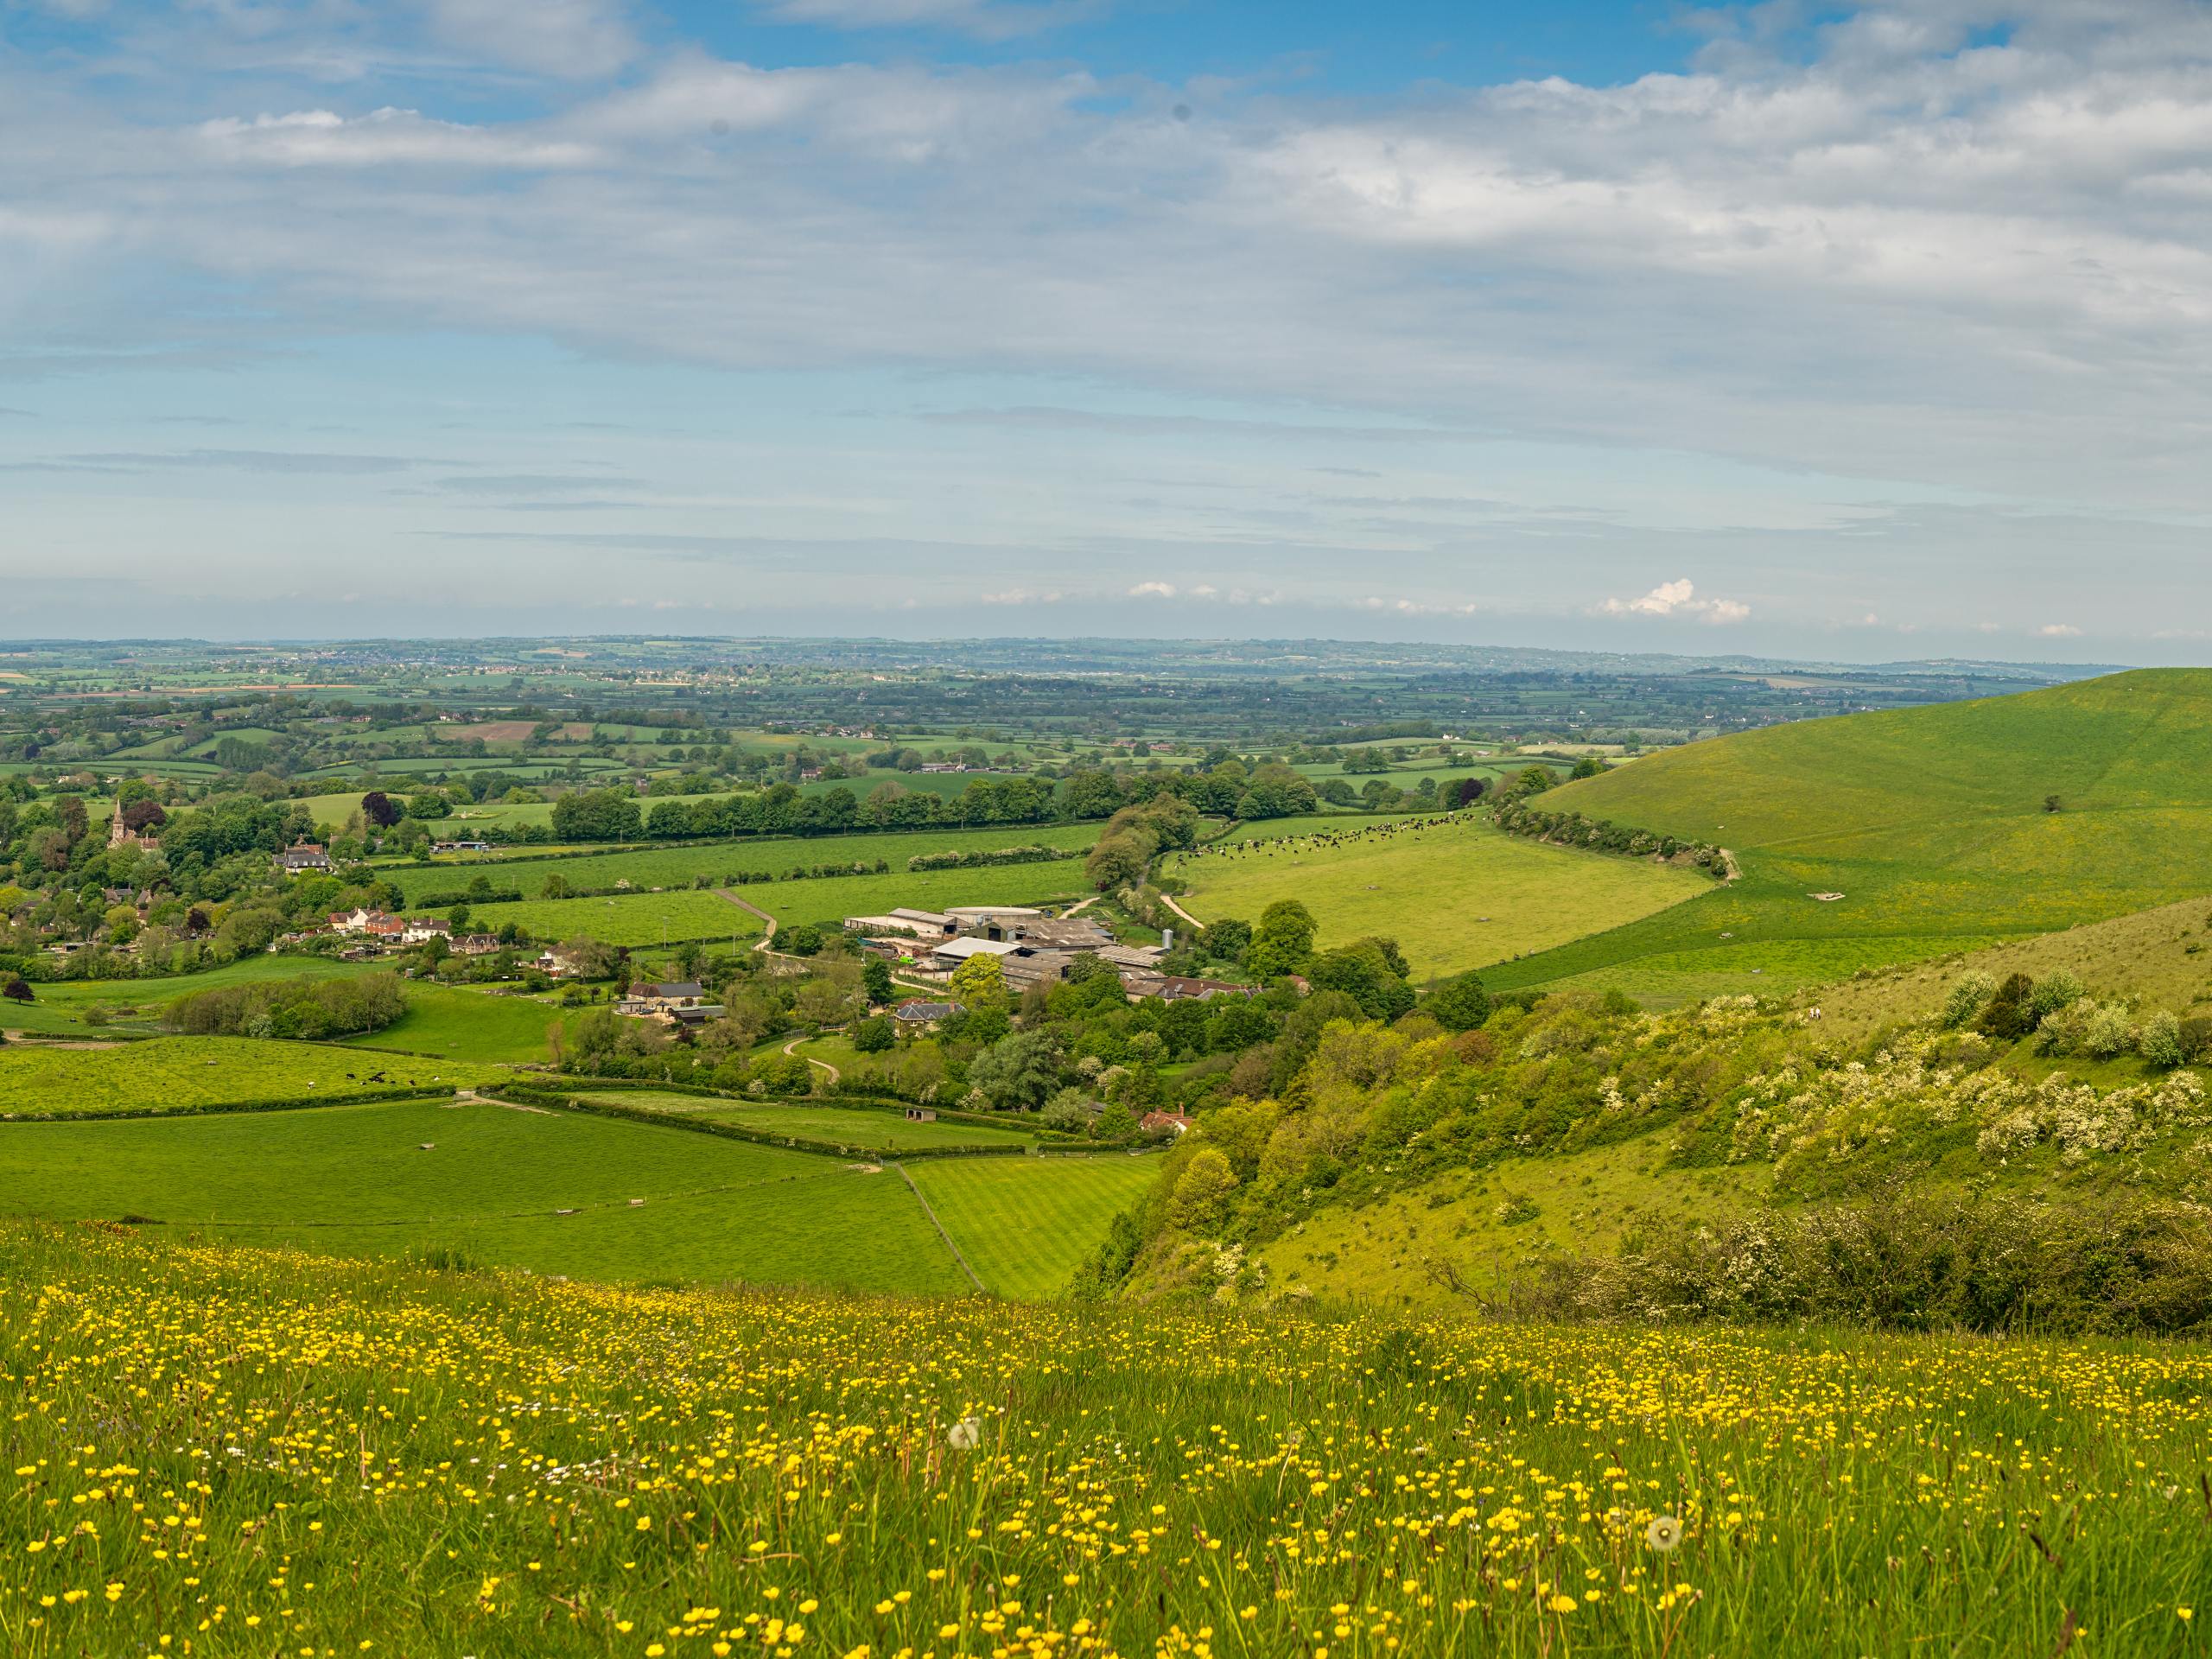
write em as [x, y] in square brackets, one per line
[1934, 824]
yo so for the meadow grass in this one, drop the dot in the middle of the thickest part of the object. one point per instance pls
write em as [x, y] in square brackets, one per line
[461, 1023]
[358, 1180]
[268, 1452]
[1930, 821]
[1490, 1227]
[679, 867]
[1025, 1223]
[181, 1073]
[2161, 958]
[1454, 893]
[632, 918]
[849, 1125]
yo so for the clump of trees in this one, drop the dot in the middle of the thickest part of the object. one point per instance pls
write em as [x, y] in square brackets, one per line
[307, 1010]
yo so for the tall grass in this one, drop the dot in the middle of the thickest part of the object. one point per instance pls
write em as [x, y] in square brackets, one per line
[266, 1453]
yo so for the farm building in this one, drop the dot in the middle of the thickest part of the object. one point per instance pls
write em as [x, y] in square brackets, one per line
[921, 1114]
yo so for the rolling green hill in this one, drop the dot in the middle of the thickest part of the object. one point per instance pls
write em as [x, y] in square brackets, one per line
[1930, 822]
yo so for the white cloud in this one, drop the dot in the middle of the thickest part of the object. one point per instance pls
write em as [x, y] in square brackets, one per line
[1679, 597]
[571, 39]
[994, 20]
[2059, 631]
[1413, 606]
[1154, 590]
[381, 137]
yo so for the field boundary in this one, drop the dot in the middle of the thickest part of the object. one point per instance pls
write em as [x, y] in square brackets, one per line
[973, 1278]
[290, 1103]
[737, 1131]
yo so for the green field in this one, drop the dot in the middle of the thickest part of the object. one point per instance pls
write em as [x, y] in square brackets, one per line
[1930, 822]
[844, 1125]
[172, 1073]
[1023, 1224]
[356, 1180]
[626, 918]
[678, 866]
[1455, 895]
[462, 1023]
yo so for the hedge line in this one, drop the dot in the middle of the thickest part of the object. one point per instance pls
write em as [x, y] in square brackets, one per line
[758, 1137]
[211, 1108]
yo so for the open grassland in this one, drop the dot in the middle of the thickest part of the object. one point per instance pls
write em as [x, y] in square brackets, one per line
[359, 1181]
[180, 1073]
[2162, 956]
[1454, 893]
[299, 1453]
[717, 861]
[1492, 1226]
[825, 901]
[461, 1023]
[845, 1125]
[632, 918]
[1025, 1223]
[1930, 821]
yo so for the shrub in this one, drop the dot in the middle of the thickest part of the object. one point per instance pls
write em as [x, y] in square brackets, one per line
[1966, 999]
[2159, 1041]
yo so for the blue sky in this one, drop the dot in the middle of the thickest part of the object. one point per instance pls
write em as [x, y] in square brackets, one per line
[1856, 332]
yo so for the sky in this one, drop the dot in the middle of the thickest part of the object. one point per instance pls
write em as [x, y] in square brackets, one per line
[1859, 333]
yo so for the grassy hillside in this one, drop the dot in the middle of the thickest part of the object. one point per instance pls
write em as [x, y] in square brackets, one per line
[335, 1458]
[1454, 893]
[2161, 957]
[1931, 822]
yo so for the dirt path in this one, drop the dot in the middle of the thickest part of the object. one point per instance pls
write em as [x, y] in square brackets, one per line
[751, 910]
[834, 1073]
[939, 1225]
[1168, 899]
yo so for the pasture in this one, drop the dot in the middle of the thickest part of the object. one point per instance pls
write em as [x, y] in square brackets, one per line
[1454, 893]
[1931, 822]
[359, 1181]
[632, 918]
[61, 1008]
[1025, 1223]
[176, 1073]
[680, 867]
[848, 1125]
[460, 1023]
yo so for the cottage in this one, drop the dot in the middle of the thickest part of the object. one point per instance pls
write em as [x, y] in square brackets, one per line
[1163, 1123]
[475, 945]
[920, 1015]
[421, 930]
[659, 996]
[304, 858]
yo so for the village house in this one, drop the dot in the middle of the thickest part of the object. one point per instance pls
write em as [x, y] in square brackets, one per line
[1164, 1123]
[304, 858]
[475, 945]
[421, 930]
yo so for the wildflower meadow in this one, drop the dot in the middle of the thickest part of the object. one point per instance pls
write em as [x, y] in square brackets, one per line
[220, 1451]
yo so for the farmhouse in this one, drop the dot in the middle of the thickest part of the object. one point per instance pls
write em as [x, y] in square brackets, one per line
[421, 930]
[1163, 1123]
[303, 858]
[651, 996]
